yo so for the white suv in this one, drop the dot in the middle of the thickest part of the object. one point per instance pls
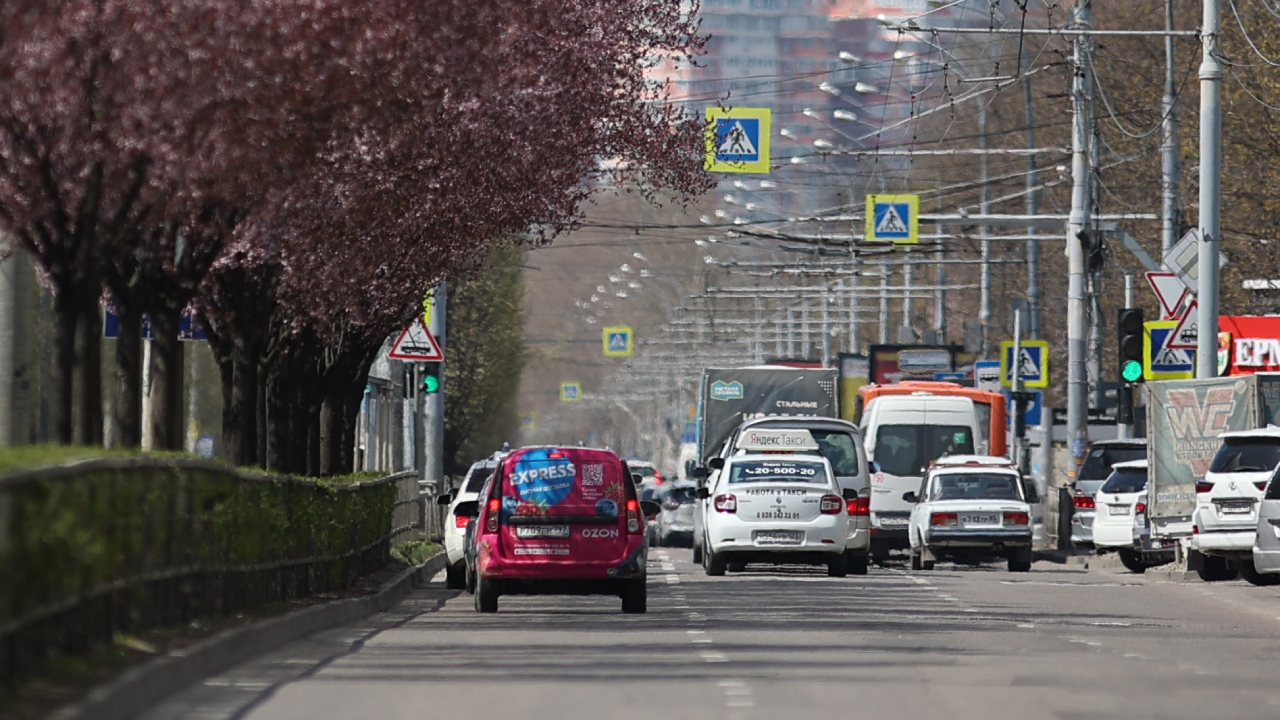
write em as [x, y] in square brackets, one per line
[1226, 515]
[971, 505]
[455, 526]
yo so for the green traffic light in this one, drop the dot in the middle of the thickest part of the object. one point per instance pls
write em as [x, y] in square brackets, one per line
[430, 384]
[1132, 371]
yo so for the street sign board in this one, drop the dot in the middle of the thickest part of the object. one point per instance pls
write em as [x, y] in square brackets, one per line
[529, 421]
[1033, 365]
[1186, 332]
[570, 391]
[1183, 260]
[893, 218]
[1034, 412]
[416, 343]
[986, 375]
[619, 341]
[1169, 291]
[1161, 362]
[738, 140]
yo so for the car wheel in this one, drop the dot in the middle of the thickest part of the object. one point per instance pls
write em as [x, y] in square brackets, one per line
[471, 580]
[857, 564]
[635, 596]
[715, 563]
[1016, 565]
[1131, 560]
[1249, 572]
[736, 566]
[486, 595]
[926, 564]
[915, 560]
[697, 554]
[838, 566]
[1215, 569]
[455, 576]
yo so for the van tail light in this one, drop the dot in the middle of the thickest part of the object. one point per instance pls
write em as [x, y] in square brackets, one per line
[859, 507]
[1084, 502]
[1203, 487]
[1261, 485]
[461, 521]
[726, 503]
[634, 526]
[491, 516]
[830, 504]
[1139, 508]
[942, 519]
[1016, 518]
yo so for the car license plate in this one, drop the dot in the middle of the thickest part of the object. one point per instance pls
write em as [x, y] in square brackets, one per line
[980, 519]
[1119, 509]
[778, 537]
[892, 521]
[542, 531]
[1237, 507]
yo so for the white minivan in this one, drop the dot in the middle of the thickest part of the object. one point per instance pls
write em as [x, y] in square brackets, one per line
[903, 435]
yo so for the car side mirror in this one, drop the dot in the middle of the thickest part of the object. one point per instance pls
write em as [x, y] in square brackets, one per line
[716, 463]
[635, 478]
[650, 508]
[699, 473]
[702, 493]
[910, 497]
[1029, 490]
[849, 494]
[470, 508]
[444, 499]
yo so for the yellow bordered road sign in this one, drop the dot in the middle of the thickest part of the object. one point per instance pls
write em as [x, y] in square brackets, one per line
[1033, 366]
[738, 140]
[893, 218]
[570, 391]
[619, 341]
[1161, 362]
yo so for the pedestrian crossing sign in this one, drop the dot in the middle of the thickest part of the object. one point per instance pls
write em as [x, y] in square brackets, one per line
[1161, 362]
[738, 140]
[893, 218]
[1033, 363]
[570, 391]
[619, 341]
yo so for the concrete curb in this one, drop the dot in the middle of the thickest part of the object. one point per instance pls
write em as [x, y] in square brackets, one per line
[142, 687]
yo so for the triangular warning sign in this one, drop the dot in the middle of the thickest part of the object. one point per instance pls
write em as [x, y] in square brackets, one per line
[891, 223]
[1169, 291]
[737, 142]
[416, 343]
[1185, 333]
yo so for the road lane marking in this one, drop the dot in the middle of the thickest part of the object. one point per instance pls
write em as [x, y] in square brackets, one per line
[714, 657]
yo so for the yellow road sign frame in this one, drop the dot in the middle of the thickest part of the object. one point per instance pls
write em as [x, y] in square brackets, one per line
[913, 222]
[764, 115]
[631, 340]
[1147, 373]
[1043, 382]
[564, 392]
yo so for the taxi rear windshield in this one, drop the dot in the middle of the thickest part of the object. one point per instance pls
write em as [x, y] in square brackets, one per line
[976, 486]
[754, 471]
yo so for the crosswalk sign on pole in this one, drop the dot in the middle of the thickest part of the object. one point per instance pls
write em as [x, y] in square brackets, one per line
[738, 140]
[1161, 362]
[570, 391]
[893, 218]
[619, 341]
[416, 343]
[1186, 333]
[1032, 365]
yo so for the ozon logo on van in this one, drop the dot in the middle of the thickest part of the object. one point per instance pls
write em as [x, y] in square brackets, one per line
[600, 532]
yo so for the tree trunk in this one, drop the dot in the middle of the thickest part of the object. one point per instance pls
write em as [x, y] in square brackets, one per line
[87, 383]
[66, 318]
[331, 431]
[129, 378]
[240, 416]
[166, 380]
[277, 411]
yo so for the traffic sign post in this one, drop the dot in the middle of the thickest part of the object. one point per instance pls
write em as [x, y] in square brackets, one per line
[529, 421]
[893, 218]
[1185, 333]
[738, 140]
[416, 343]
[1032, 364]
[619, 341]
[1161, 362]
[570, 391]
[1169, 290]
[986, 375]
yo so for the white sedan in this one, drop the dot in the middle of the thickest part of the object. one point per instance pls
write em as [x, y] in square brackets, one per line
[778, 510]
[970, 506]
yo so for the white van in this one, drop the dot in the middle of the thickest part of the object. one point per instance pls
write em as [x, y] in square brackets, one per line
[903, 434]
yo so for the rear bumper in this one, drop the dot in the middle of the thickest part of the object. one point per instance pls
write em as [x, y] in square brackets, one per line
[1114, 535]
[1082, 528]
[1266, 561]
[632, 566]
[1240, 541]
[978, 538]
[859, 540]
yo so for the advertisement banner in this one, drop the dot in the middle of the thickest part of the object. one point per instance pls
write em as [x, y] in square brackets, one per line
[730, 396]
[855, 371]
[1252, 343]
[892, 363]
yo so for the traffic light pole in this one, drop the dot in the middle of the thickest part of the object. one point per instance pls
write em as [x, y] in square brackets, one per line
[1124, 391]
[432, 404]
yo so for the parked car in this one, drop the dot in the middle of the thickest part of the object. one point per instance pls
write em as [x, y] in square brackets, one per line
[1102, 455]
[648, 472]
[560, 521]
[777, 509]
[1263, 565]
[971, 506]
[1121, 506]
[455, 526]
[1225, 522]
[675, 523]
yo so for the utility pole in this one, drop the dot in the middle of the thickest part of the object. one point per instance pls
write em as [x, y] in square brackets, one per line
[1082, 124]
[1168, 145]
[884, 304]
[1033, 208]
[433, 403]
[1210, 191]
[940, 294]
[984, 283]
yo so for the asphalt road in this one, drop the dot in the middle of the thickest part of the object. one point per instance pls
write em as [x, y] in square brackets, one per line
[957, 642]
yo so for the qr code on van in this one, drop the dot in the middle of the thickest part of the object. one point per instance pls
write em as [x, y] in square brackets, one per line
[593, 474]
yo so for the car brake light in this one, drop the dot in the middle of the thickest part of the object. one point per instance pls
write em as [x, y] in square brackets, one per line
[830, 504]
[633, 517]
[556, 455]
[461, 521]
[1261, 485]
[1140, 508]
[942, 519]
[1084, 502]
[860, 507]
[1204, 487]
[1016, 518]
[491, 521]
[726, 503]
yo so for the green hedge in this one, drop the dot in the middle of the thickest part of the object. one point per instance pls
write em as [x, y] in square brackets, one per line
[109, 545]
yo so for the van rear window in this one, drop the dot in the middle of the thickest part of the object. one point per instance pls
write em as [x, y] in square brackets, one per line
[548, 481]
[907, 450]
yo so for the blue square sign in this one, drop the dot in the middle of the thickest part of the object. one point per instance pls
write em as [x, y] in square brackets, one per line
[737, 140]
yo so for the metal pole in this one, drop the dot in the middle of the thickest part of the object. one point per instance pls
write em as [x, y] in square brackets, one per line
[1123, 431]
[907, 273]
[1210, 193]
[984, 301]
[433, 405]
[826, 329]
[853, 312]
[884, 304]
[1082, 123]
[940, 295]
[1033, 203]
[1169, 145]
[1015, 386]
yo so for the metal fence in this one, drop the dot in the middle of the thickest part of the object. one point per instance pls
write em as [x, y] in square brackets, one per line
[106, 546]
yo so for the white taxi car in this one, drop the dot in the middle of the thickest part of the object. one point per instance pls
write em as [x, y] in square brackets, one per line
[970, 505]
[778, 509]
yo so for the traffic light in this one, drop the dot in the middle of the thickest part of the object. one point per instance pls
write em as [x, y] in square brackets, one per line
[1129, 342]
[430, 377]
